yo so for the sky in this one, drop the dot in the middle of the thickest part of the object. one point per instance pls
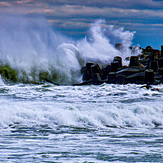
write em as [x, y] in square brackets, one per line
[74, 17]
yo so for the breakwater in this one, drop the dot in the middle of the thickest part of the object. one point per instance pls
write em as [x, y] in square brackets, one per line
[32, 52]
[145, 68]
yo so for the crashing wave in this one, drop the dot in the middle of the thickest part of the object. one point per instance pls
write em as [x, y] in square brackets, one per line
[32, 52]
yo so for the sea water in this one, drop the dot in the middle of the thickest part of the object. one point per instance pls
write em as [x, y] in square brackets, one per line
[105, 123]
[45, 122]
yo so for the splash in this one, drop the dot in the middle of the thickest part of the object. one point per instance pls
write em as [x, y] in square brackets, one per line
[37, 53]
[100, 47]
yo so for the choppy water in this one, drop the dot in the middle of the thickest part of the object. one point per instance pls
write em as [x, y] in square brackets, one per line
[106, 123]
[48, 123]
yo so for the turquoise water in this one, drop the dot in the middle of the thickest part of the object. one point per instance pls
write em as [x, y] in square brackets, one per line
[106, 123]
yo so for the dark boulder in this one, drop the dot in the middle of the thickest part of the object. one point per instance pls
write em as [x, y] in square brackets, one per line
[134, 61]
[149, 76]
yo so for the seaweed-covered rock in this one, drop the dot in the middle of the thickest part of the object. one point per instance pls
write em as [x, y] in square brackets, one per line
[8, 74]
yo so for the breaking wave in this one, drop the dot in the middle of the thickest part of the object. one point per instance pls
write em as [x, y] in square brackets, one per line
[115, 106]
[31, 51]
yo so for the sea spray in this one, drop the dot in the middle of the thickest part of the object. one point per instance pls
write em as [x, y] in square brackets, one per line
[37, 53]
[31, 47]
[97, 48]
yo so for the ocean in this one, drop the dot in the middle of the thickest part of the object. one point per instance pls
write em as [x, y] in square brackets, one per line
[45, 118]
[105, 123]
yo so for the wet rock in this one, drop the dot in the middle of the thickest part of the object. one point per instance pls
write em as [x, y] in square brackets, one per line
[161, 51]
[160, 70]
[121, 79]
[160, 62]
[149, 76]
[154, 66]
[87, 72]
[112, 78]
[130, 71]
[134, 61]
[96, 69]
[137, 78]
[144, 68]
[119, 59]
[114, 66]
[96, 79]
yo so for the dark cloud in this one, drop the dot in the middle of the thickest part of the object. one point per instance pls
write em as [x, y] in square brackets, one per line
[132, 4]
[140, 4]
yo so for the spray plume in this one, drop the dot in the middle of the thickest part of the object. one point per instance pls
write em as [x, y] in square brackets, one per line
[37, 53]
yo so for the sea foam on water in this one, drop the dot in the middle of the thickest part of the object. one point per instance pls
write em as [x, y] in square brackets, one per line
[88, 106]
[93, 123]
[37, 52]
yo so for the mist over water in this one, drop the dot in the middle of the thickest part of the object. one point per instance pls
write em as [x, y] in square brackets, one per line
[35, 51]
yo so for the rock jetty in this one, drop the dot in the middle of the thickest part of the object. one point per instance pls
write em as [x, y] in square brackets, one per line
[145, 68]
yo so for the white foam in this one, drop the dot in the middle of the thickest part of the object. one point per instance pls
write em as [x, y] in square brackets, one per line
[30, 46]
[92, 116]
[89, 106]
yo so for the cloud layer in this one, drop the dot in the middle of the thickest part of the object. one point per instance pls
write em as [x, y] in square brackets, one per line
[73, 17]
